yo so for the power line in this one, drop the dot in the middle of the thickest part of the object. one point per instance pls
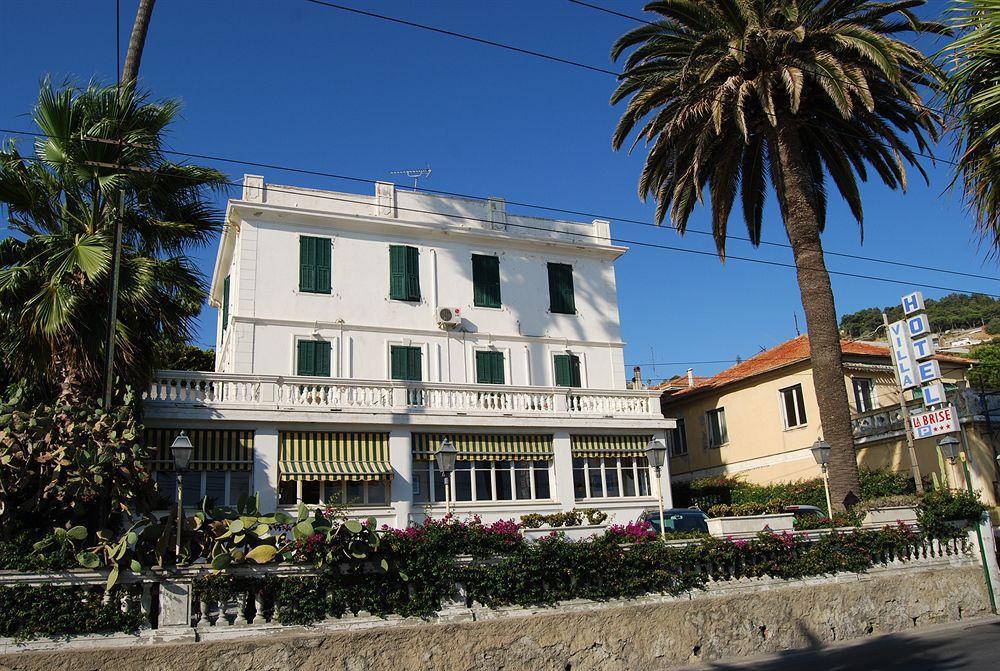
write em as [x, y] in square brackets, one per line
[625, 220]
[638, 243]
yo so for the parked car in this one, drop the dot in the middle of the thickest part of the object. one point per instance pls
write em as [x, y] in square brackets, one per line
[677, 520]
[804, 511]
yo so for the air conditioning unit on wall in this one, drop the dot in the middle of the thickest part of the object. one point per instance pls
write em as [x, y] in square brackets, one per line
[449, 317]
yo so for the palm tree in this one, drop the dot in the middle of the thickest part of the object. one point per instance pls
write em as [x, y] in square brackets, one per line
[137, 41]
[736, 94]
[63, 202]
[973, 97]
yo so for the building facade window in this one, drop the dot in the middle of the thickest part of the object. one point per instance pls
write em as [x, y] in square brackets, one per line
[404, 273]
[610, 477]
[678, 440]
[334, 492]
[567, 367]
[561, 297]
[793, 406]
[314, 265]
[485, 281]
[864, 393]
[716, 433]
[405, 363]
[313, 358]
[223, 488]
[484, 480]
[489, 367]
[225, 303]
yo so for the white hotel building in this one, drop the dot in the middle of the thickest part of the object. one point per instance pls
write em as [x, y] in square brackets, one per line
[358, 331]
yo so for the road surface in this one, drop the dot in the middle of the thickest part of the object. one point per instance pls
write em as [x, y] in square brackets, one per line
[964, 646]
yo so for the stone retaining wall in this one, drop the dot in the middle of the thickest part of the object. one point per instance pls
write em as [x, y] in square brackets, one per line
[645, 635]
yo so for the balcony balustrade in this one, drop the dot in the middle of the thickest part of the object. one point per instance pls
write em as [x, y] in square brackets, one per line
[227, 390]
[886, 423]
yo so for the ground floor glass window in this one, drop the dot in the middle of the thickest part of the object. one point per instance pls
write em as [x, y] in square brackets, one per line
[222, 488]
[484, 480]
[610, 477]
[334, 492]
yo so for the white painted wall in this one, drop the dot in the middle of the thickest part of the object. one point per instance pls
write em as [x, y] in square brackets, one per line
[269, 313]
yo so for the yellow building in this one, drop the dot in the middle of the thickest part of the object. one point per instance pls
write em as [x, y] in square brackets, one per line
[759, 418]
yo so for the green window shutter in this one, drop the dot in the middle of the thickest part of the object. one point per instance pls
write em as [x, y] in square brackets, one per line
[485, 281]
[567, 370]
[489, 367]
[397, 272]
[412, 274]
[225, 303]
[313, 358]
[561, 297]
[314, 265]
[404, 363]
[322, 256]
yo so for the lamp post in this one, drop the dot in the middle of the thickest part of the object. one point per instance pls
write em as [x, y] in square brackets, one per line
[445, 458]
[821, 453]
[656, 454]
[950, 451]
[181, 450]
[948, 447]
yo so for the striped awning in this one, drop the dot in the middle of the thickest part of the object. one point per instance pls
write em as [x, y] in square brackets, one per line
[214, 449]
[609, 446]
[331, 455]
[534, 447]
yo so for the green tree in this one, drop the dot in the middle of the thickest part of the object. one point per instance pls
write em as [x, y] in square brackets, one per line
[973, 95]
[986, 373]
[731, 95]
[63, 202]
[170, 355]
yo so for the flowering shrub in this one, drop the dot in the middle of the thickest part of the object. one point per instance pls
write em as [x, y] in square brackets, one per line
[633, 532]
[571, 518]
[940, 507]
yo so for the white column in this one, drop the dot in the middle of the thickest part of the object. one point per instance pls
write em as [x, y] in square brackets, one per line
[265, 467]
[562, 465]
[401, 458]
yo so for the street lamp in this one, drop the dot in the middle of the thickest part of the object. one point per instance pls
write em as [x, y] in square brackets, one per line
[948, 447]
[445, 458]
[181, 450]
[821, 453]
[656, 454]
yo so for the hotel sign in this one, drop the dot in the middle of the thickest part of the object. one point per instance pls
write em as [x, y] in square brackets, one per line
[912, 347]
[934, 423]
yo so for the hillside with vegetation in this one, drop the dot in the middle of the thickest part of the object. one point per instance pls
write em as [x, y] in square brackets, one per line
[951, 312]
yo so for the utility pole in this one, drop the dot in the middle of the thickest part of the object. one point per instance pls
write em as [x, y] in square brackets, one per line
[905, 414]
[129, 75]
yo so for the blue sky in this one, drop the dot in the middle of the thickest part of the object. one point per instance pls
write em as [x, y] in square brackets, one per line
[287, 82]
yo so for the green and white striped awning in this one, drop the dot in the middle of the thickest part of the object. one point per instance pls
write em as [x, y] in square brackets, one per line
[214, 449]
[609, 446]
[331, 455]
[535, 447]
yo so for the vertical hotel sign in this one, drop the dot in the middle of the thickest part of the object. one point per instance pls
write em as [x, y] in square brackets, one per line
[912, 352]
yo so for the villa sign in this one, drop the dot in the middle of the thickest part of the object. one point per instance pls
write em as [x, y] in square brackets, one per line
[912, 348]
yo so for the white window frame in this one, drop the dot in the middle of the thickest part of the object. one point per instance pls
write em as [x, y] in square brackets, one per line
[425, 358]
[637, 467]
[723, 428]
[334, 352]
[324, 497]
[582, 356]
[800, 410]
[873, 394]
[228, 498]
[505, 351]
[430, 467]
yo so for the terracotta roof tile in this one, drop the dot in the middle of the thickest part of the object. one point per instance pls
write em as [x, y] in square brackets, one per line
[787, 353]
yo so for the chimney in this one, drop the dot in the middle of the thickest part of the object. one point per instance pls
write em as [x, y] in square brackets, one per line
[691, 377]
[637, 377]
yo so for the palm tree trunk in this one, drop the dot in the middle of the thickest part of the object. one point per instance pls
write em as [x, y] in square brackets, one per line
[130, 71]
[799, 206]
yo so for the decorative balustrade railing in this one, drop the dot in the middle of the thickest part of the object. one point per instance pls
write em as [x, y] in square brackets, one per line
[888, 422]
[312, 393]
[175, 600]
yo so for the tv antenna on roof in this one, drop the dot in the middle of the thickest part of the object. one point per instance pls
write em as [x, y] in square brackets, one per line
[415, 175]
